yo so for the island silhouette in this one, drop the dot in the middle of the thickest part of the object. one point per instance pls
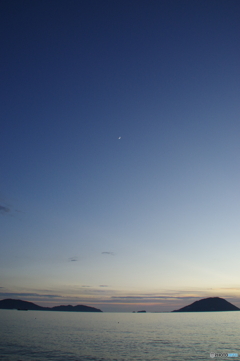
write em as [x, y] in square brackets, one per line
[210, 304]
[15, 304]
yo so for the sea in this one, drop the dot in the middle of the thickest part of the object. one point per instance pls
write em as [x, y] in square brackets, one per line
[82, 336]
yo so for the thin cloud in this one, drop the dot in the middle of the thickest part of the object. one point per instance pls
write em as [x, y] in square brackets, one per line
[103, 285]
[4, 209]
[18, 211]
[73, 259]
[229, 288]
[13, 294]
[110, 253]
[154, 297]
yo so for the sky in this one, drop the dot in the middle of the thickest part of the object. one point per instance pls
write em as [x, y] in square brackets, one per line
[120, 152]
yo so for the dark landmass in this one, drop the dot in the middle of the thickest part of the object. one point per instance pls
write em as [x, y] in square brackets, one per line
[210, 304]
[143, 311]
[78, 308]
[11, 304]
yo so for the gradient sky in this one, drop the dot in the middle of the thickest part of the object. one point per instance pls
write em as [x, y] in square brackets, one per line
[150, 220]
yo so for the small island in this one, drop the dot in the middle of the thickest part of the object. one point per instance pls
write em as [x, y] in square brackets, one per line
[211, 304]
[13, 304]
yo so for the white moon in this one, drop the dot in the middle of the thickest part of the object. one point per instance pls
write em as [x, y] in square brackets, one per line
[119, 137]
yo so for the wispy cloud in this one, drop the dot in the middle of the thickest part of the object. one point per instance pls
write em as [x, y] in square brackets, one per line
[110, 253]
[103, 285]
[73, 259]
[4, 210]
[27, 294]
[154, 297]
[230, 288]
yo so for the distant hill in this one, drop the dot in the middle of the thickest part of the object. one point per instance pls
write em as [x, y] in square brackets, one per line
[209, 305]
[11, 304]
[78, 308]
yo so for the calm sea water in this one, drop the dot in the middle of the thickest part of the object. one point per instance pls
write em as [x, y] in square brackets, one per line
[63, 336]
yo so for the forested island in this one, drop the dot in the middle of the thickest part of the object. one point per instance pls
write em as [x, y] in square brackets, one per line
[210, 304]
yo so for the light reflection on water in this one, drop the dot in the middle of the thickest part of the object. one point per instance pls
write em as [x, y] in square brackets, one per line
[63, 336]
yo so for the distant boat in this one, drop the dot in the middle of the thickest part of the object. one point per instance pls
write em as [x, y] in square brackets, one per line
[143, 311]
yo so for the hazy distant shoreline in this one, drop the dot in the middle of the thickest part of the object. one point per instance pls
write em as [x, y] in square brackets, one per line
[13, 304]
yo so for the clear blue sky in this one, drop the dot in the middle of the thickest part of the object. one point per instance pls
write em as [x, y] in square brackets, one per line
[150, 220]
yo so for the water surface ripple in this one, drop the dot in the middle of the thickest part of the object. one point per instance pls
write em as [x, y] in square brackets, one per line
[63, 336]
